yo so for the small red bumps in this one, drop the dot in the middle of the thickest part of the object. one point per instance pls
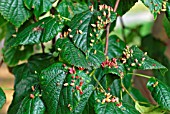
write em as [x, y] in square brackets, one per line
[108, 89]
[154, 65]
[32, 96]
[81, 92]
[81, 83]
[72, 70]
[77, 77]
[77, 87]
[64, 65]
[72, 90]
[119, 104]
[72, 81]
[113, 100]
[81, 68]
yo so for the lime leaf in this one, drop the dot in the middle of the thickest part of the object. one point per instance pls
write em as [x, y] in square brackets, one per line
[39, 7]
[149, 109]
[51, 80]
[155, 6]
[70, 53]
[160, 92]
[14, 11]
[2, 98]
[42, 31]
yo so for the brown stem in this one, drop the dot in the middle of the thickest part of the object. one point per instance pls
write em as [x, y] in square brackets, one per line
[116, 5]
[108, 28]
[2, 61]
[123, 28]
[53, 41]
[34, 18]
[107, 38]
[43, 47]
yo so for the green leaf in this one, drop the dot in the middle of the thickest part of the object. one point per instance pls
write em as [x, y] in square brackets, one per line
[84, 30]
[42, 31]
[160, 92]
[112, 108]
[168, 10]
[35, 64]
[116, 47]
[155, 6]
[14, 11]
[12, 55]
[49, 78]
[68, 9]
[149, 109]
[123, 7]
[89, 109]
[95, 58]
[39, 7]
[71, 100]
[71, 54]
[2, 98]
[31, 106]
[146, 62]
[26, 76]
[115, 70]
[3, 27]
[148, 44]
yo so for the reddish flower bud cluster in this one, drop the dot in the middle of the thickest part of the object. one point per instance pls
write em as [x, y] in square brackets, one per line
[110, 63]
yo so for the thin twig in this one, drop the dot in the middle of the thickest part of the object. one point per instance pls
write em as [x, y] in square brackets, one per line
[123, 28]
[92, 74]
[108, 28]
[66, 18]
[99, 83]
[116, 5]
[127, 90]
[141, 75]
[107, 38]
